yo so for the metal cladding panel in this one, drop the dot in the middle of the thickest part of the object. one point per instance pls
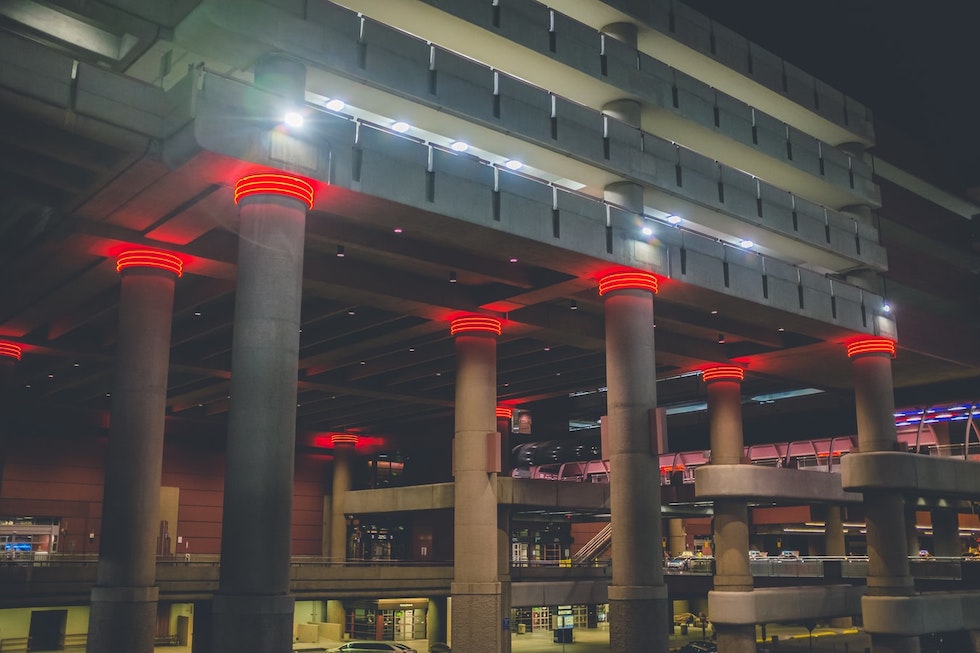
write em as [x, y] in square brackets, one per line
[623, 141]
[692, 28]
[734, 119]
[695, 99]
[579, 129]
[525, 22]
[36, 70]
[731, 48]
[464, 85]
[525, 109]
[576, 45]
[395, 59]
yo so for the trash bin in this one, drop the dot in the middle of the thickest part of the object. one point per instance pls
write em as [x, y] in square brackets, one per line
[521, 629]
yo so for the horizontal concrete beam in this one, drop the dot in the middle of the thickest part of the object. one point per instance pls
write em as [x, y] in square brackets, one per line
[434, 496]
[530, 594]
[933, 612]
[552, 494]
[772, 483]
[907, 472]
[784, 604]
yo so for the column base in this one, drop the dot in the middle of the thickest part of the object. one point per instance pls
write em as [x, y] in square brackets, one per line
[122, 619]
[736, 639]
[638, 618]
[479, 611]
[252, 624]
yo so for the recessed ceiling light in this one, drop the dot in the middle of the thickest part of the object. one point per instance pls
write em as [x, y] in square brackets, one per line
[401, 126]
[293, 118]
[674, 219]
[336, 105]
[746, 244]
[513, 260]
[460, 146]
[886, 308]
[397, 230]
[646, 231]
[513, 164]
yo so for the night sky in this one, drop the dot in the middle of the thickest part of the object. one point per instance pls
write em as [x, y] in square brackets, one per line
[915, 63]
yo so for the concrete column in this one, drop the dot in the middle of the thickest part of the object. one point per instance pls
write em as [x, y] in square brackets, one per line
[731, 520]
[676, 537]
[10, 354]
[637, 595]
[911, 532]
[252, 609]
[888, 564]
[124, 598]
[945, 532]
[435, 620]
[480, 592]
[835, 545]
[343, 454]
[505, 417]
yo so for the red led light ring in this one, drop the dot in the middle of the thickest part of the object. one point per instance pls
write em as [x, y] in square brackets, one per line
[723, 373]
[628, 281]
[343, 438]
[507, 413]
[871, 346]
[475, 323]
[148, 258]
[271, 183]
[10, 350]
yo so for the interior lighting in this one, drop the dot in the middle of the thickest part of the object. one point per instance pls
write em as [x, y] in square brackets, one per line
[10, 350]
[475, 323]
[721, 338]
[398, 230]
[886, 308]
[674, 219]
[274, 183]
[459, 146]
[872, 345]
[513, 164]
[513, 259]
[336, 105]
[293, 118]
[723, 372]
[340, 251]
[148, 258]
[646, 231]
[343, 438]
[574, 305]
[746, 244]
[632, 280]
[452, 277]
[505, 412]
[400, 126]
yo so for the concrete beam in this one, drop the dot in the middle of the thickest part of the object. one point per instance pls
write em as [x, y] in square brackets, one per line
[934, 612]
[577, 592]
[784, 604]
[907, 472]
[434, 496]
[772, 483]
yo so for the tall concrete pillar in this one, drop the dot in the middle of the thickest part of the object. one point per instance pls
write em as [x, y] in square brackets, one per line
[124, 598]
[676, 537]
[252, 609]
[10, 354]
[835, 545]
[505, 417]
[888, 563]
[343, 454]
[435, 620]
[480, 589]
[945, 532]
[637, 595]
[731, 520]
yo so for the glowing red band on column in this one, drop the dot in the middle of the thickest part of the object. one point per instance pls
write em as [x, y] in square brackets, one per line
[507, 413]
[476, 323]
[274, 183]
[632, 280]
[10, 350]
[343, 438]
[149, 258]
[872, 345]
[723, 373]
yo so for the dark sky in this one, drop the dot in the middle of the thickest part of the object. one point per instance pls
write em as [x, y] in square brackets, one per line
[915, 63]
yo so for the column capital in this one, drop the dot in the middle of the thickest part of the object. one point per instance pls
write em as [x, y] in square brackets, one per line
[275, 183]
[10, 350]
[149, 258]
[475, 324]
[871, 345]
[343, 439]
[723, 373]
[628, 280]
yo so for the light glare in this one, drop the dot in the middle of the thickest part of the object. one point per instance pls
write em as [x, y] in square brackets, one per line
[401, 127]
[293, 119]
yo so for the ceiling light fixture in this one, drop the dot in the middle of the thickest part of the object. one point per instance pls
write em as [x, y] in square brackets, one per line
[721, 338]
[646, 231]
[452, 277]
[746, 244]
[340, 251]
[293, 118]
[459, 146]
[513, 164]
[336, 105]
[574, 305]
[674, 219]
[400, 126]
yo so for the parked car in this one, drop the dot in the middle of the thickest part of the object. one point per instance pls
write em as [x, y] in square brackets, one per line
[367, 646]
[680, 563]
[699, 646]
